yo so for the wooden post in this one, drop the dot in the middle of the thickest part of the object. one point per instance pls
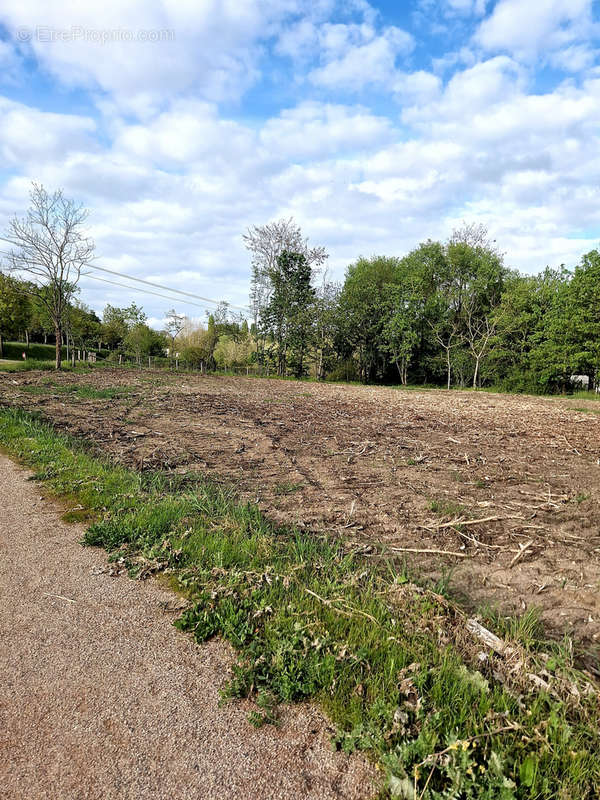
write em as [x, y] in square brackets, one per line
[149, 362]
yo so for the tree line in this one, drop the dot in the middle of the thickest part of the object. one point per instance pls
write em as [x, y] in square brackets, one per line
[449, 313]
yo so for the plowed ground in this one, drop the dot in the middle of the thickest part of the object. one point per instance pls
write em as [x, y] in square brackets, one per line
[507, 486]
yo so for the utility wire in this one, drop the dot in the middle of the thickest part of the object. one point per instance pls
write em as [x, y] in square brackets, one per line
[167, 288]
[136, 289]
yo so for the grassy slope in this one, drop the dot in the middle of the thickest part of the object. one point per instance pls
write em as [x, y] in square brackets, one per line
[390, 663]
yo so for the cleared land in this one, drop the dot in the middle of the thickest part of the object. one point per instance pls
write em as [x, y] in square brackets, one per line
[509, 484]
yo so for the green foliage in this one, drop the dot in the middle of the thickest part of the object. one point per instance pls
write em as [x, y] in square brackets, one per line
[15, 309]
[287, 318]
[311, 621]
[117, 322]
[363, 304]
[142, 341]
[231, 352]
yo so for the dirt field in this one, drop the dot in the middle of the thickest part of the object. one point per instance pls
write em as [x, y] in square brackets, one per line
[509, 485]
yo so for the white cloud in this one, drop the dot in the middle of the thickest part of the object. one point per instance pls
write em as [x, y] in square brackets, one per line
[27, 134]
[528, 29]
[417, 88]
[355, 56]
[172, 179]
[576, 58]
[212, 47]
[316, 129]
[477, 7]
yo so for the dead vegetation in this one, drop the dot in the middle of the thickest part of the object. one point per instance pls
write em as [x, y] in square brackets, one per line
[502, 490]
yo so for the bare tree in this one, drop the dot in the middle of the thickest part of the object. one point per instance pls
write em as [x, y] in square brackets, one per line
[479, 333]
[175, 324]
[448, 337]
[49, 246]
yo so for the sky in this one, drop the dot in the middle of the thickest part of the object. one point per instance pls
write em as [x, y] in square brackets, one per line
[179, 123]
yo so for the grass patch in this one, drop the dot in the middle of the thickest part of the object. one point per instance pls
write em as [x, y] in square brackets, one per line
[25, 366]
[84, 392]
[390, 663]
[287, 487]
[584, 410]
[446, 508]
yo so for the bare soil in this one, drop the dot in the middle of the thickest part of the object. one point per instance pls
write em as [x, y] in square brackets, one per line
[402, 469]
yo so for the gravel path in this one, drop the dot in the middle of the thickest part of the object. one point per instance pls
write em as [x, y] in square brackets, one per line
[100, 697]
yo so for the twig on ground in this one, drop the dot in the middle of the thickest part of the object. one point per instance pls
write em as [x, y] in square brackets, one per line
[522, 550]
[60, 597]
[432, 551]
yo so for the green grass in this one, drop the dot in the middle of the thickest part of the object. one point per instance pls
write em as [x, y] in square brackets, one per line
[35, 351]
[84, 392]
[25, 366]
[389, 662]
[446, 508]
[38, 352]
[287, 487]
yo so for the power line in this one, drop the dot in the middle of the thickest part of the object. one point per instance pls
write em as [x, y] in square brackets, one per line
[137, 289]
[167, 288]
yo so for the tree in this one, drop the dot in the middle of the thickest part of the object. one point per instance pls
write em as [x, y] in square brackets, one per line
[143, 341]
[231, 353]
[49, 246]
[41, 322]
[15, 310]
[83, 325]
[287, 317]
[266, 243]
[175, 323]
[117, 322]
[326, 311]
[401, 328]
[363, 307]
[468, 275]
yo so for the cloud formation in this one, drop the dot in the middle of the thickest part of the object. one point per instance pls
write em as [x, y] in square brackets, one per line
[375, 131]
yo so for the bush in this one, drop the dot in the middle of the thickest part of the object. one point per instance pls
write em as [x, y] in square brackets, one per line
[194, 356]
[344, 371]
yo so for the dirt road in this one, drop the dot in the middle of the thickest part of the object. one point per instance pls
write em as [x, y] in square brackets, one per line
[100, 697]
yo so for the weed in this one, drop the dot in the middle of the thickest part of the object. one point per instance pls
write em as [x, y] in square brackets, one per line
[446, 508]
[287, 487]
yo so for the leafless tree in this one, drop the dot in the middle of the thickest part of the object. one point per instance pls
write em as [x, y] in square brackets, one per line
[175, 324]
[448, 337]
[50, 247]
[479, 333]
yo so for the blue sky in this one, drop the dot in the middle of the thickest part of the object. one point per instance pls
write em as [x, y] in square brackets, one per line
[376, 125]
